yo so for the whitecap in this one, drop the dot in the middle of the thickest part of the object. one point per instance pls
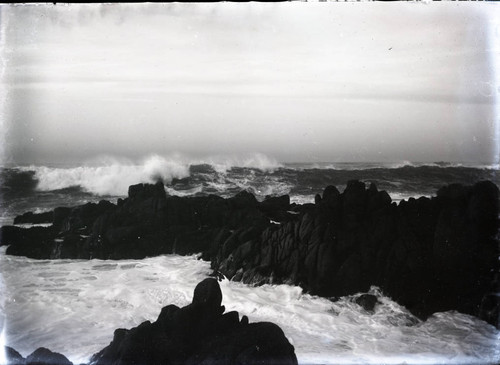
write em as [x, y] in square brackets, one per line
[74, 307]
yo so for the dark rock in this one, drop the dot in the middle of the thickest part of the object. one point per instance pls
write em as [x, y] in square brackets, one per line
[43, 356]
[257, 343]
[60, 214]
[429, 255]
[317, 199]
[13, 357]
[244, 199]
[9, 235]
[276, 208]
[367, 302]
[208, 293]
[34, 218]
[330, 193]
[198, 334]
[33, 242]
[143, 191]
[275, 203]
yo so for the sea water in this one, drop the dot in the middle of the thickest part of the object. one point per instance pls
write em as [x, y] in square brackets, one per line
[73, 306]
[42, 188]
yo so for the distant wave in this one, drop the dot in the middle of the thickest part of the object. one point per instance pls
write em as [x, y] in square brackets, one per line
[349, 166]
[257, 161]
[227, 175]
[114, 178]
[110, 176]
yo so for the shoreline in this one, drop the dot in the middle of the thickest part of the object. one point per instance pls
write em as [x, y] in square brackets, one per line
[418, 251]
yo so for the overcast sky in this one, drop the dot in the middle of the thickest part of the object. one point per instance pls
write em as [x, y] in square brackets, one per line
[295, 81]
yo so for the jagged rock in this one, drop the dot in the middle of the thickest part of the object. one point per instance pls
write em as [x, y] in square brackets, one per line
[200, 333]
[367, 302]
[60, 215]
[13, 357]
[428, 254]
[34, 218]
[43, 356]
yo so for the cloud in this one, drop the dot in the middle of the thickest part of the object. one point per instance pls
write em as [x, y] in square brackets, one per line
[197, 77]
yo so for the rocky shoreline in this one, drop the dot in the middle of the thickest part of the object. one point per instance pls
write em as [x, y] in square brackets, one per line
[428, 254]
[200, 333]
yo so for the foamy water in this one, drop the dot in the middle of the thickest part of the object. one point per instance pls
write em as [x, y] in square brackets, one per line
[110, 176]
[73, 307]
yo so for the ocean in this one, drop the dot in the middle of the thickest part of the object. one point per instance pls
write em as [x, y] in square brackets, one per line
[73, 306]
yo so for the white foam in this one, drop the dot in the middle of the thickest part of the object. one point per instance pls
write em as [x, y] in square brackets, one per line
[73, 307]
[272, 188]
[258, 161]
[29, 225]
[350, 166]
[302, 199]
[112, 178]
[398, 197]
[187, 192]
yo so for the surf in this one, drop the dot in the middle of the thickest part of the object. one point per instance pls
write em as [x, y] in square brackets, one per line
[74, 306]
[110, 176]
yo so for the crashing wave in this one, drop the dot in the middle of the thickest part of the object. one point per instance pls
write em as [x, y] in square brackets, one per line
[112, 176]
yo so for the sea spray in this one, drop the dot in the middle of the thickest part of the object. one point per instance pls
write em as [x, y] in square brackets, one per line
[227, 175]
[74, 306]
[258, 161]
[42, 188]
[113, 178]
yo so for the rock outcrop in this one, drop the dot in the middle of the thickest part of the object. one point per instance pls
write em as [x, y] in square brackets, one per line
[428, 254]
[40, 356]
[200, 333]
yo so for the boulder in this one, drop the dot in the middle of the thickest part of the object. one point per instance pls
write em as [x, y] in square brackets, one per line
[367, 302]
[13, 357]
[43, 356]
[34, 218]
[428, 254]
[200, 333]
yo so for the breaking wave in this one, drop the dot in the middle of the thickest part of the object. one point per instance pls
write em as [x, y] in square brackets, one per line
[112, 177]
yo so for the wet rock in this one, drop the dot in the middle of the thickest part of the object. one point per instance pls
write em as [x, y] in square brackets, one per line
[34, 218]
[43, 356]
[367, 302]
[428, 254]
[200, 333]
[13, 357]
[208, 293]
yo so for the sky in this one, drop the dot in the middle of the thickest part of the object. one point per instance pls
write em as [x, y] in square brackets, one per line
[299, 82]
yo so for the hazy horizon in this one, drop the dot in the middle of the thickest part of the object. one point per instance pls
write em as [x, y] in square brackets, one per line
[296, 82]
